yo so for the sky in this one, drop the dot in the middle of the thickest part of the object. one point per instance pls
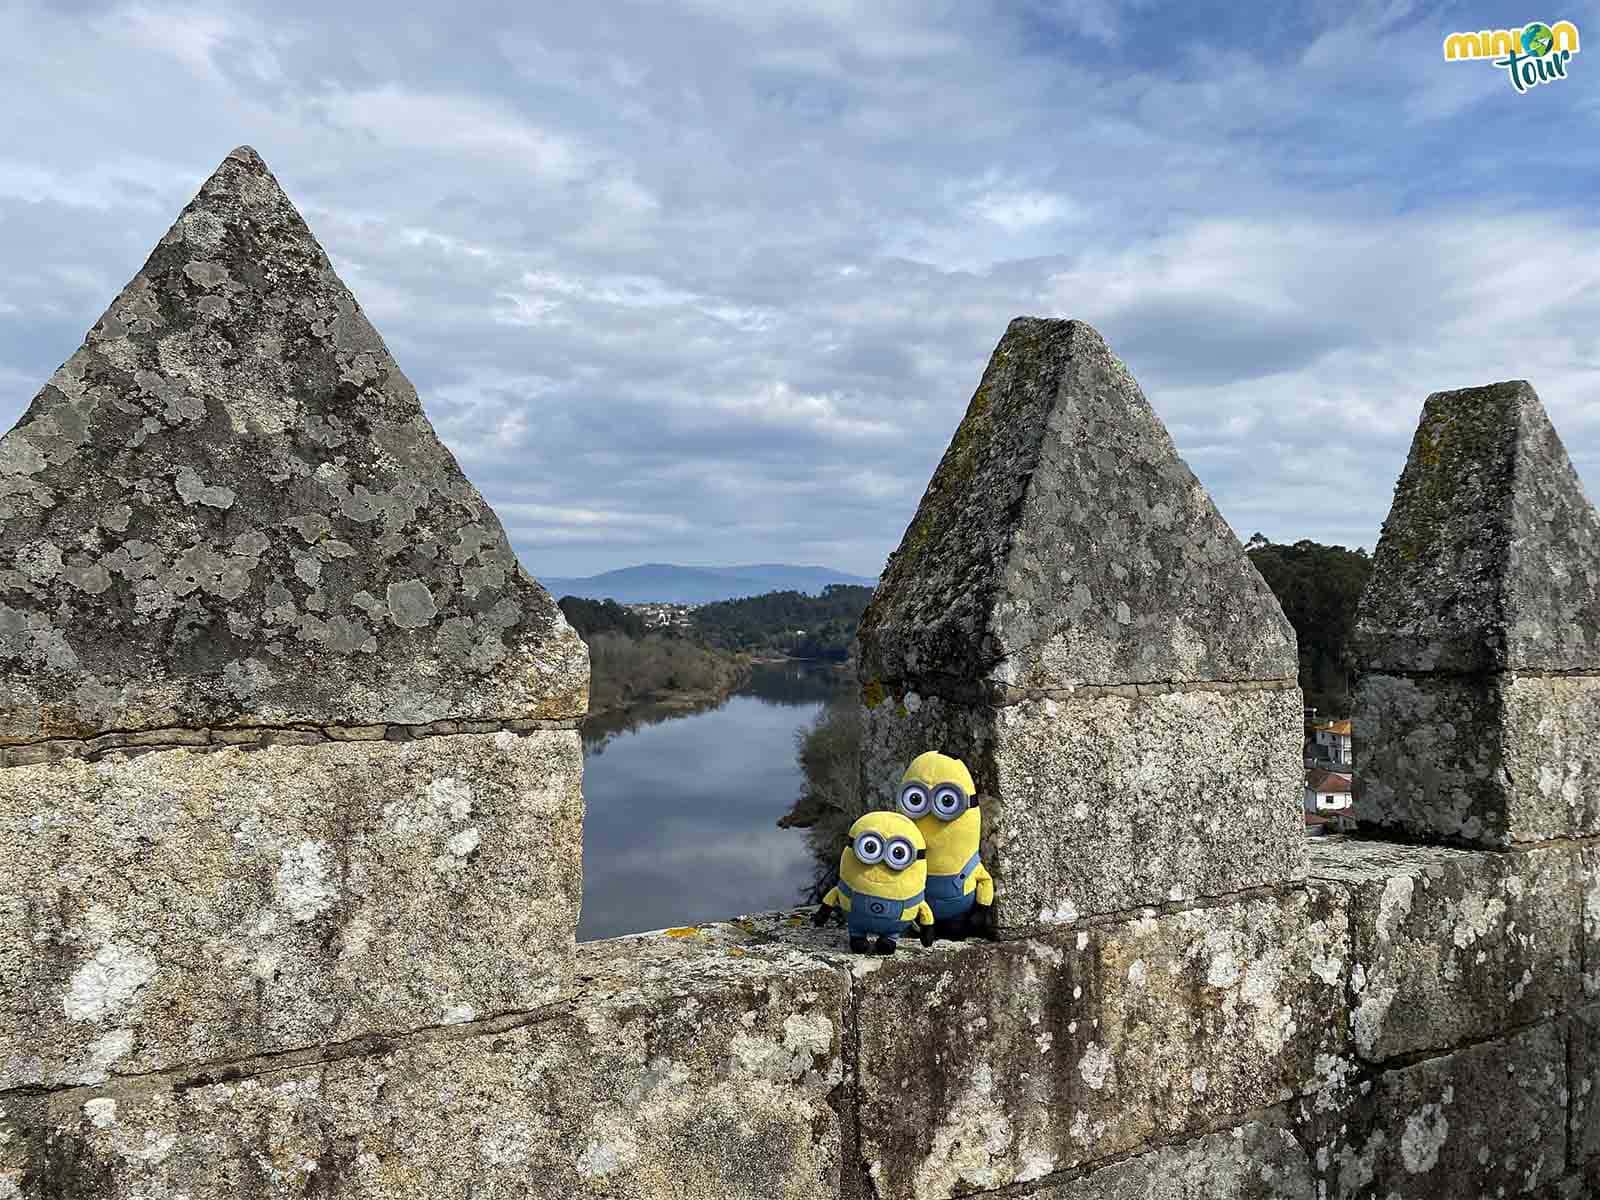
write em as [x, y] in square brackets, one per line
[712, 282]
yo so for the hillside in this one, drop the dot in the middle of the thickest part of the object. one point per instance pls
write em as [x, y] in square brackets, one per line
[786, 622]
[673, 584]
[1319, 587]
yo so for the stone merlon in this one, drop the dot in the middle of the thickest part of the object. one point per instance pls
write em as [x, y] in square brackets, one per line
[1478, 636]
[1490, 557]
[1062, 541]
[227, 508]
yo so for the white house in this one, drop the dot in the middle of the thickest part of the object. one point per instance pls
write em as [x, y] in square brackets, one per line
[1333, 741]
[1328, 791]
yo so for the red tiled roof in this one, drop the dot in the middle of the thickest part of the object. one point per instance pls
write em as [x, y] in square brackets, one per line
[1319, 780]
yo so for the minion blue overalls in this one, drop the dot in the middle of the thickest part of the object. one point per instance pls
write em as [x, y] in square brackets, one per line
[874, 914]
[948, 895]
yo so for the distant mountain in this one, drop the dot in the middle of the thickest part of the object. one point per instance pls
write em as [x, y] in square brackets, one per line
[670, 584]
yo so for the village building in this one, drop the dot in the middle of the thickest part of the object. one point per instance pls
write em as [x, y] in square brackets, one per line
[1328, 802]
[1332, 740]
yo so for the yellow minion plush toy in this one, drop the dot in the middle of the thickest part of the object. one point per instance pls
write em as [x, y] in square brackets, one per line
[881, 876]
[937, 793]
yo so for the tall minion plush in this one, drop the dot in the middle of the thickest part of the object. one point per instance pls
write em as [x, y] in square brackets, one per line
[881, 876]
[937, 793]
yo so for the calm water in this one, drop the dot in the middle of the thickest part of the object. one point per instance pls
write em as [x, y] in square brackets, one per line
[683, 808]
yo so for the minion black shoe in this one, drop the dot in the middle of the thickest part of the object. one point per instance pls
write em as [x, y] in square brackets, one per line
[981, 923]
[886, 944]
[858, 943]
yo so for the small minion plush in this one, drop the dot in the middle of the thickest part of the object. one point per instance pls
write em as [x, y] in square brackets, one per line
[881, 876]
[937, 793]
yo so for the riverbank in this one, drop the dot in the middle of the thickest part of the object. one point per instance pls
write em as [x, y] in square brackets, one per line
[625, 672]
[783, 681]
[668, 703]
[622, 700]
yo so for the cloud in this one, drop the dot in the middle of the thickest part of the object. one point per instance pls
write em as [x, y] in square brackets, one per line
[1023, 210]
[671, 312]
[191, 35]
[454, 126]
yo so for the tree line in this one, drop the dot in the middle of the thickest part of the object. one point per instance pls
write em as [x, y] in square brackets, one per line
[792, 623]
[630, 664]
[1318, 587]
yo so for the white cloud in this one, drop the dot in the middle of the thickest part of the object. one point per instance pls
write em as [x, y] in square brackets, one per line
[189, 34]
[751, 304]
[114, 182]
[560, 525]
[1019, 211]
[777, 403]
[457, 126]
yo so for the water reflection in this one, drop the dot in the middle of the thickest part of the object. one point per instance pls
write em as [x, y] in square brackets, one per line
[683, 804]
[795, 683]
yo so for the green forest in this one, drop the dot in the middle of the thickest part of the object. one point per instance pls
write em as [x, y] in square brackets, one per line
[590, 617]
[1318, 587]
[628, 664]
[789, 623]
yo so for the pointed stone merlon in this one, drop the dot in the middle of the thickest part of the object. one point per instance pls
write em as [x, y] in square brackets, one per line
[1070, 615]
[287, 735]
[1477, 712]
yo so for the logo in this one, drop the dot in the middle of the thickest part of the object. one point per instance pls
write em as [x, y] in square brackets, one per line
[1535, 54]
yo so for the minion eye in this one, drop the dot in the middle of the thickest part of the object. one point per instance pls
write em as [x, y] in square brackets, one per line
[900, 854]
[949, 802]
[914, 800]
[869, 848]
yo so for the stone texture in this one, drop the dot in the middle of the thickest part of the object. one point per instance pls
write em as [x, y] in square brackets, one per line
[1063, 541]
[1486, 760]
[1452, 946]
[21, 1143]
[1102, 805]
[186, 906]
[227, 508]
[983, 1065]
[701, 1066]
[1583, 1058]
[1251, 1162]
[1490, 557]
[1483, 1122]
[1580, 1185]
[1488, 568]
[1589, 882]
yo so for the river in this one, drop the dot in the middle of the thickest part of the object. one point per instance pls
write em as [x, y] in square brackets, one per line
[682, 807]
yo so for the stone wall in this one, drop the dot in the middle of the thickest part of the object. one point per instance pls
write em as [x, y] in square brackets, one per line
[1408, 1022]
[288, 747]
[291, 807]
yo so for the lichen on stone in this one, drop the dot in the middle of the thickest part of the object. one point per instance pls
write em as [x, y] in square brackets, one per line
[232, 468]
[1489, 558]
[1063, 536]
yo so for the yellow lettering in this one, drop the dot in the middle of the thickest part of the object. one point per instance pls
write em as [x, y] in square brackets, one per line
[1566, 36]
[1462, 45]
[1504, 41]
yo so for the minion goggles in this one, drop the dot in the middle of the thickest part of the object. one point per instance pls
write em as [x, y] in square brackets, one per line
[947, 801]
[897, 853]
